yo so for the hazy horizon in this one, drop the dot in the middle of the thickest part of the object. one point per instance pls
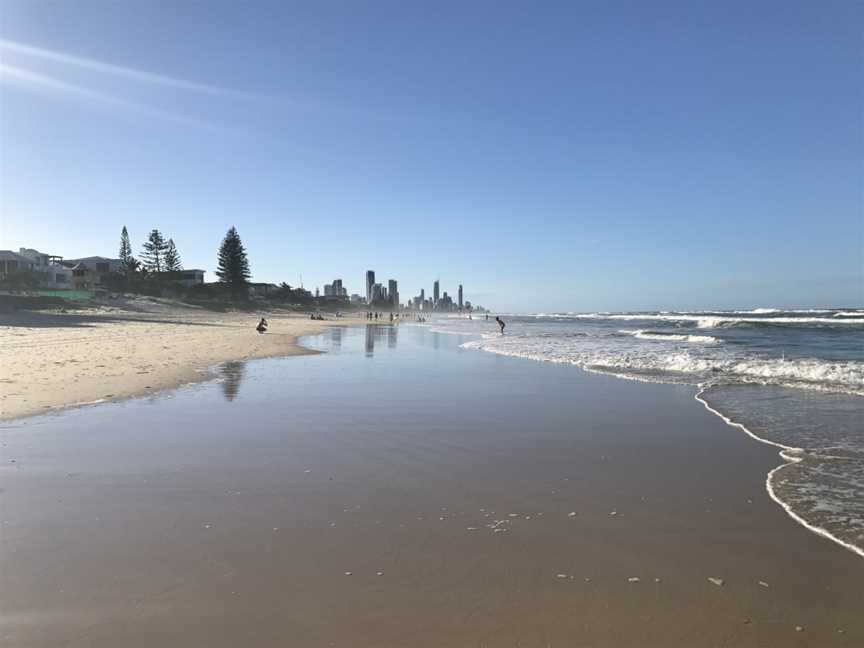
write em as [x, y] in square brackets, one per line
[570, 158]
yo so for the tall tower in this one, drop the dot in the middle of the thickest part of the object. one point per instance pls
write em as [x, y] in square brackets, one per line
[393, 291]
[370, 281]
[460, 297]
[436, 292]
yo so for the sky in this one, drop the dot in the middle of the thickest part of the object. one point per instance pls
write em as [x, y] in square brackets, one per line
[571, 156]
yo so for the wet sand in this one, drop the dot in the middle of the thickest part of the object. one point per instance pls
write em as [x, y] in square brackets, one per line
[398, 491]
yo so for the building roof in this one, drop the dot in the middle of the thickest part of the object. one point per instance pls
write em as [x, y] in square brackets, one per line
[9, 255]
[92, 259]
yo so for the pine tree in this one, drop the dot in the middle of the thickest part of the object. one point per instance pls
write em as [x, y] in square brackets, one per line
[233, 267]
[128, 263]
[125, 247]
[171, 259]
[154, 252]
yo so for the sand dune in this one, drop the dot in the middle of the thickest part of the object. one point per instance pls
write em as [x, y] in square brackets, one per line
[51, 360]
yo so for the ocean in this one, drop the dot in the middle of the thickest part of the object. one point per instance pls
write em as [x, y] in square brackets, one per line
[790, 378]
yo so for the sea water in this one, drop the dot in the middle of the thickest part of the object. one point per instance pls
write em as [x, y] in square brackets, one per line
[791, 378]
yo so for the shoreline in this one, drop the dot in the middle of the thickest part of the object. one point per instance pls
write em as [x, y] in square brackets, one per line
[699, 390]
[51, 362]
[787, 461]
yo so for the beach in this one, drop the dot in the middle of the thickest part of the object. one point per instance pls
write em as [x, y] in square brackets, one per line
[50, 360]
[401, 490]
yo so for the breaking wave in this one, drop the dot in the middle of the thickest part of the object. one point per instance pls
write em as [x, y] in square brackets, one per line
[681, 365]
[671, 337]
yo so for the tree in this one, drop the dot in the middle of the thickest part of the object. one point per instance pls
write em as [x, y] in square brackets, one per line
[128, 263]
[233, 267]
[171, 259]
[154, 252]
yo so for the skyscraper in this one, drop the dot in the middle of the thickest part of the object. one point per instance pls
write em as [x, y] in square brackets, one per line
[370, 281]
[460, 297]
[435, 293]
[393, 292]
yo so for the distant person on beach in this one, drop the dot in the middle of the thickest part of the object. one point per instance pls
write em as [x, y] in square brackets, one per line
[500, 323]
[262, 325]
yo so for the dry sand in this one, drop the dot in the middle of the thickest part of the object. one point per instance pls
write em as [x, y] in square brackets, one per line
[53, 360]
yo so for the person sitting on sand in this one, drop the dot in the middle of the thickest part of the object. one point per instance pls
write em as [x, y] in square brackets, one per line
[500, 323]
[262, 325]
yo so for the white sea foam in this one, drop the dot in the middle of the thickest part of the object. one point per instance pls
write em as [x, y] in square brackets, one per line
[792, 456]
[642, 334]
[716, 321]
[680, 364]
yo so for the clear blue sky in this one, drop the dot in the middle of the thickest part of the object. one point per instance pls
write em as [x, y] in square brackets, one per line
[549, 156]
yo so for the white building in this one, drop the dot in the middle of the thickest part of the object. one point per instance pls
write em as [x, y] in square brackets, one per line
[53, 274]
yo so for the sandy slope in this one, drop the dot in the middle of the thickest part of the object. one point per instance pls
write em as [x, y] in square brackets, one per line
[50, 360]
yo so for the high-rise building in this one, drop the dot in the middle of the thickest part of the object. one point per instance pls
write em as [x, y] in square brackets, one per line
[460, 297]
[370, 281]
[393, 292]
[335, 289]
[379, 294]
[435, 292]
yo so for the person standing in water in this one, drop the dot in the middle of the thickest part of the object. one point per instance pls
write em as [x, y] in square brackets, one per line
[500, 323]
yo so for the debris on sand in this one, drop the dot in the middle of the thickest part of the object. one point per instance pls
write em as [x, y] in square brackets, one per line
[763, 584]
[717, 581]
[571, 514]
[633, 579]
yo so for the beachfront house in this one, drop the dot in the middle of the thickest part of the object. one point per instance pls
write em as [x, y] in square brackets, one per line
[188, 278]
[262, 289]
[53, 275]
[89, 273]
[12, 263]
